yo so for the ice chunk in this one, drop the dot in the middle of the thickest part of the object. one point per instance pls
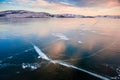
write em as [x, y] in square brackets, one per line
[31, 66]
[40, 53]
[24, 66]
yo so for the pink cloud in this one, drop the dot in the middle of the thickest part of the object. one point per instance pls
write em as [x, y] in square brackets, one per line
[113, 3]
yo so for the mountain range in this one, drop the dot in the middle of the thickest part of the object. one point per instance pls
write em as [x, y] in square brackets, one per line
[30, 14]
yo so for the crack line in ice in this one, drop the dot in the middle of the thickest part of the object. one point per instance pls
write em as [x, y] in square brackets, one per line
[45, 57]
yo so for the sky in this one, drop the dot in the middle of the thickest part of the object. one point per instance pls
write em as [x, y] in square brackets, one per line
[81, 7]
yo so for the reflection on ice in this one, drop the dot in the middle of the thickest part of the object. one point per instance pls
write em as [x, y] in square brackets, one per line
[61, 36]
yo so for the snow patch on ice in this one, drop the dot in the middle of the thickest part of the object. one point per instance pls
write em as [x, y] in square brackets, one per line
[80, 42]
[61, 36]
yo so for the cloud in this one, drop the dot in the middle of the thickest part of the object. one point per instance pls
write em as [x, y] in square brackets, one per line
[83, 7]
[9, 2]
[113, 3]
[70, 3]
[89, 3]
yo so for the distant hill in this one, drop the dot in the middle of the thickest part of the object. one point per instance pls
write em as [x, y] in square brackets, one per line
[30, 14]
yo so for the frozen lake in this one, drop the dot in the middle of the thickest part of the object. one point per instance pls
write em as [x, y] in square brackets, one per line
[92, 44]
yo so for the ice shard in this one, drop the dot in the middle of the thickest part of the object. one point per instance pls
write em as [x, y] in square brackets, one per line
[41, 54]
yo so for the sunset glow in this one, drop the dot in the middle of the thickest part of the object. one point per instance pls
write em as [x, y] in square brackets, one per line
[82, 7]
